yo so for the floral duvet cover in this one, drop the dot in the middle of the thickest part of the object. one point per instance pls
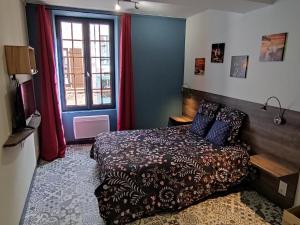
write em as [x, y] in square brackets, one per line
[144, 172]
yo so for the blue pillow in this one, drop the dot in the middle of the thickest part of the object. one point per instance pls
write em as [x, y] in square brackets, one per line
[201, 125]
[235, 120]
[219, 133]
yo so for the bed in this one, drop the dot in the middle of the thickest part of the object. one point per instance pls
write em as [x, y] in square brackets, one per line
[144, 172]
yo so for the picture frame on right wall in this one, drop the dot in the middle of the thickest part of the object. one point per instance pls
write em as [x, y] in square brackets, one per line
[273, 47]
[217, 53]
[239, 66]
[199, 66]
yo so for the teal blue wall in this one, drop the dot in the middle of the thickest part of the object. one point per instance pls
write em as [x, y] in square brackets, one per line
[158, 65]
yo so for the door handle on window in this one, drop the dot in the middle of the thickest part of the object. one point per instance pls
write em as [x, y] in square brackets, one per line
[88, 74]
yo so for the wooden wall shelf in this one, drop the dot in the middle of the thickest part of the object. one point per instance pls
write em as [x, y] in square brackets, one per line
[272, 166]
[20, 60]
[272, 171]
[19, 137]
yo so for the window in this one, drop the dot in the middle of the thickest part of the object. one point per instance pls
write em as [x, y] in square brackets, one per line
[86, 63]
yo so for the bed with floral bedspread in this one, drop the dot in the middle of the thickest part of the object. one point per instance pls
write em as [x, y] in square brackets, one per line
[144, 172]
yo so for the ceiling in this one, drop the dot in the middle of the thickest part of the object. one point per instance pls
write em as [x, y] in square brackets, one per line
[169, 8]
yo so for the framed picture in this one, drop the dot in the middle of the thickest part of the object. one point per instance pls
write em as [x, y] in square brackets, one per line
[199, 66]
[272, 47]
[239, 66]
[217, 53]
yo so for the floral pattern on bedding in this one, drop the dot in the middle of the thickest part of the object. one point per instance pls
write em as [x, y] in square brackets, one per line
[144, 172]
[234, 118]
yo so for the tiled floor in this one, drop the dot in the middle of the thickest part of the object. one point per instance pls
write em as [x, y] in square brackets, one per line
[63, 194]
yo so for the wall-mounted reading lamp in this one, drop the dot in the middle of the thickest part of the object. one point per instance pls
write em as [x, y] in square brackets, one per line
[278, 119]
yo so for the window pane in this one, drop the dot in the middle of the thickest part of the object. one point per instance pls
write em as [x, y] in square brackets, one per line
[106, 96]
[96, 29]
[69, 90]
[92, 32]
[77, 66]
[73, 64]
[70, 97]
[79, 85]
[81, 97]
[105, 66]
[80, 90]
[95, 49]
[66, 65]
[75, 90]
[66, 30]
[67, 45]
[97, 99]
[78, 48]
[65, 52]
[92, 48]
[96, 81]
[67, 80]
[104, 31]
[100, 63]
[105, 49]
[95, 65]
[96, 86]
[77, 31]
[106, 81]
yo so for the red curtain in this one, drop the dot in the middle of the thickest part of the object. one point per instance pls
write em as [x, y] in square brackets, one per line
[52, 140]
[126, 97]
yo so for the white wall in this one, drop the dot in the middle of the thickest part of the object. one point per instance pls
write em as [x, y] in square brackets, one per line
[242, 34]
[16, 164]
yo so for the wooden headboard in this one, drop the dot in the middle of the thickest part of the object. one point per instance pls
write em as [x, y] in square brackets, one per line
[282, 142]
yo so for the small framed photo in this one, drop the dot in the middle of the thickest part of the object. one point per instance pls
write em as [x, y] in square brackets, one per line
[239, 66]
[199, 66]
[272, 47]
[217, 53]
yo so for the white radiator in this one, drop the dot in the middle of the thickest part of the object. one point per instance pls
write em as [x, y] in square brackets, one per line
[90, 126]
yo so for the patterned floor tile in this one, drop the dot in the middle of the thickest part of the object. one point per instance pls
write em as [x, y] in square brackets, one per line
[63, 194]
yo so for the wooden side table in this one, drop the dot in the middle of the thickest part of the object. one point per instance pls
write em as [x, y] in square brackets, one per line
[276, 179]
[179, 120]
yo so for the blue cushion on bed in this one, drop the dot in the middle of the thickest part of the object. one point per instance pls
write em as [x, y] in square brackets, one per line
[218, 134]
[234, 118]
[201, 125]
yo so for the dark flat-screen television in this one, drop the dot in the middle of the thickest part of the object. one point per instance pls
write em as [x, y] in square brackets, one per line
[24, 105]
[28, 99]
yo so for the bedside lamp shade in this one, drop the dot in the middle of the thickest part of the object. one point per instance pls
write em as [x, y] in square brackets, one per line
[20, 60]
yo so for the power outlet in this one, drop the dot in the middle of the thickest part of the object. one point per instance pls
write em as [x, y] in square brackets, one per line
[282, 188]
